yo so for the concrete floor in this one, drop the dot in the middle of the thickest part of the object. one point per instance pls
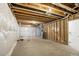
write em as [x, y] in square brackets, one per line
[41, 47]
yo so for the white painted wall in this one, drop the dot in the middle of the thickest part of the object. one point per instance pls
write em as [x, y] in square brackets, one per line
[8, 30]
[74, 34]
[30, 32]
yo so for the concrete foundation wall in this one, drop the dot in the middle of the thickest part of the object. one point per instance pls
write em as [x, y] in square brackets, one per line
[8, 30]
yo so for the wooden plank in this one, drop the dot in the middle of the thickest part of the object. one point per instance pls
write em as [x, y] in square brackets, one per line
[59, 32]
[62, 31]
[66, 31]
[32, 18]
[20, 13]
[16, 9]
[51, 31]
[54, 30]
[42, 7]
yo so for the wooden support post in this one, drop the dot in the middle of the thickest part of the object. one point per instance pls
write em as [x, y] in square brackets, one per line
[66, 31]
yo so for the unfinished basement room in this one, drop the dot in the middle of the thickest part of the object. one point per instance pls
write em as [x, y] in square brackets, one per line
[39, 29]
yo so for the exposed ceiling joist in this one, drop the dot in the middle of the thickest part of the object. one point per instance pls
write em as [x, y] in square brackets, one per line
[54, 5]
[32, 13]
[65, 7]
[33, 9]
[42, 12]
[29, 22]
[26, 17]
[26, 23]
[44, 8]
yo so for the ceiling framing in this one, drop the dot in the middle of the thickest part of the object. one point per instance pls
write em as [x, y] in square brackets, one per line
[42, 12]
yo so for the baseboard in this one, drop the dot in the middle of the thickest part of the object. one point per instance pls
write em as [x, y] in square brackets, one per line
[9, 54]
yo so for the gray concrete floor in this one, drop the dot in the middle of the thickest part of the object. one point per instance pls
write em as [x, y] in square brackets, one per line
[41, 47]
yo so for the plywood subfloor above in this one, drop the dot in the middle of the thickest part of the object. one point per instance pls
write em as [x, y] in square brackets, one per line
[41, 47]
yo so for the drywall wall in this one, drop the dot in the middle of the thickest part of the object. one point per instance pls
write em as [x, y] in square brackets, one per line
[73, 29]
[30, 32]
[8, 30]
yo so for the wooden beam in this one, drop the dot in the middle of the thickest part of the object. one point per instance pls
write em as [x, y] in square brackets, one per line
[32, 13]
[37, 10]
[28, 22]
[65, 8]
[30, 16]
[42, 7]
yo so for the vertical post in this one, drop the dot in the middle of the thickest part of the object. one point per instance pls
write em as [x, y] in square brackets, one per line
[66, 31]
